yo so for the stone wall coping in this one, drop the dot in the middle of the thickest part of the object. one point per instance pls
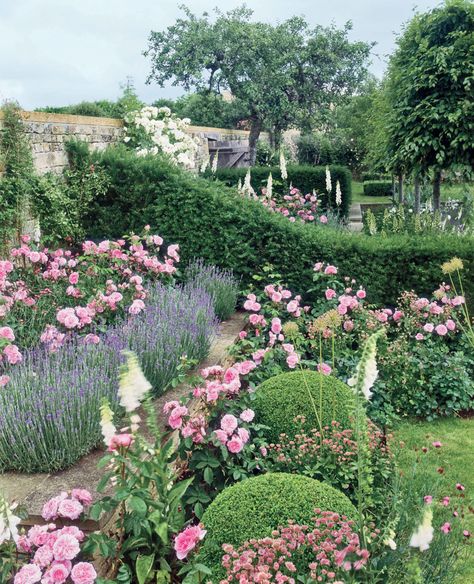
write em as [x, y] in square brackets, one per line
[46, 118]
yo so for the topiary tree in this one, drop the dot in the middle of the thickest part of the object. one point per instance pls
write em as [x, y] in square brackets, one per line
[430, 94]
[256, 506]
[320, 398]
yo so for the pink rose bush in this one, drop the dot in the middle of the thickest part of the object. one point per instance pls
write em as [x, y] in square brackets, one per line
[65, 292]
[54, 551]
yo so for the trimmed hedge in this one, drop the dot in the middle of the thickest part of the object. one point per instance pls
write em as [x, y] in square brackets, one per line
[304, 178]
[280, 399]
[378, 188]
[256, 506]
[214, 223]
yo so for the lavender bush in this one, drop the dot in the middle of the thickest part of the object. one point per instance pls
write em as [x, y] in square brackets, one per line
[49, 415]
[222, 286]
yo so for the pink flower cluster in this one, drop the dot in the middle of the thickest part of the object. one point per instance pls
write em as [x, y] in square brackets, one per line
[230, 435]
[295, 206]
[53, 550]
[288, 553]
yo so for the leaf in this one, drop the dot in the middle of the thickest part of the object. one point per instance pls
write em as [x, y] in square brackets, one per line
[143, 567]
[208, 475]
[138, 506]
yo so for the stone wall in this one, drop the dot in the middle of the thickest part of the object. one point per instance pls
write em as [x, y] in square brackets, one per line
[48, 134]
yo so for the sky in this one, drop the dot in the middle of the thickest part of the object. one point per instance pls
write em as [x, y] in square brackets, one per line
[60, 52]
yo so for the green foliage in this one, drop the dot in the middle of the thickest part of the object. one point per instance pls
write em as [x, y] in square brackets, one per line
[304, 178]
[377, 188]
[323, 148]
[214, 223]
[320, 398]
[256, 506]
[430, 90]
[256, 61]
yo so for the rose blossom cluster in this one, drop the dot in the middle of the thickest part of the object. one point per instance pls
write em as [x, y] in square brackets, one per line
[9, 352]
[230, 435]
[43, 280]
[288, 553]
[295, 206]
[54, 551]
[187, 540]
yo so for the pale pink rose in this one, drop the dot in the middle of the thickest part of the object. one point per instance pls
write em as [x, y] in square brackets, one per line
[419, 337]
[243, 434]
[58, 573]
[330, 293]
[276, 326]
[7, 333]
[187, 540]
[4, 379]
[74, 278]
[397, 315]
[82, 495]
[457, 300]
[286, 294]
[263, 451]
[70, 509]
[361, 294]
[348, 325]
[242, 335]
[28, 574]
[43, 556]
[13, 355]
[91, 339]
[66, 547]
[288, 347]
[221, 435]
[71, 321]
[330, 270]
[292, 360]
[175, 418]
[50, 508]
[342, 309]
[450, 324]
[247, 415]
[276, 297]
[70, 530]
[324, 369]
[229, 423]
[441, 330]
[292, 306]
[245, 367]
[231, 374]
[34, 257]
[318, 266]
[120, 441]
[235, 445]
[428, 499]
[83, 573]
[323, 219]
[170, 406]
[428, 328]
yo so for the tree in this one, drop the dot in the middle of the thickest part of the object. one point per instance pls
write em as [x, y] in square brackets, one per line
[282, 74]
[430, 90]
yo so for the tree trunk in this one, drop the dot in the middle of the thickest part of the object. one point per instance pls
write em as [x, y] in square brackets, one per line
[255, 129]
[437, 190]
[417, 194]
[393, 187]
[401, 197]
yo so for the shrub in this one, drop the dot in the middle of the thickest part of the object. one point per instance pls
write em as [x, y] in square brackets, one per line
[224, 229]
[377, 188]
[221, 285]
[255, 507]
[304, 178]
[280, 399]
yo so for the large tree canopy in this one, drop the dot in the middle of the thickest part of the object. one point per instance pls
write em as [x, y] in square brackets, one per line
[284, 74]
[430, 92]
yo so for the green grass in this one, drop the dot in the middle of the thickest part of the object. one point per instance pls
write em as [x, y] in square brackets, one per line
[359, 197]
[456, 457]
[457, 191]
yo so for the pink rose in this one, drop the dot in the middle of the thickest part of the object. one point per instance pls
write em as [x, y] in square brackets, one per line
[187, 540]
[83, 573]
[324, 369]
[119, 441]
[348, 325]
[70, 509]
[50, 508]
[428, 499]
[247, 415]
[28, 574]
[276, 297]
[441, 330]
[7, 333]
[450, 325]
[175, 418]
[4, 379]
[292, 306]
[243, 434]
[66, 547]
[330, 293]
[229, 423]
[428, 328]
[242, 335]
[43, 556]
[323, 219]
[330, 270]
[318, 266]
[276, 326]
[235, 444]
[13, 355]
[397, 315]
[361, 294]
[82, 495]
[419, 337]
[446, 527]
[74, 278]
[292, 360]
[221, 435]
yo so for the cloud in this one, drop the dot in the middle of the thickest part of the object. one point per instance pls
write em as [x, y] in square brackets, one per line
[56, 52]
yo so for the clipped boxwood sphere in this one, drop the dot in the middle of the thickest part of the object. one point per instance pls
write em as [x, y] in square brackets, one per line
[283, 397]
[256, 506]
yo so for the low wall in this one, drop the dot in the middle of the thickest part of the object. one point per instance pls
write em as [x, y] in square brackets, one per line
[48, 134]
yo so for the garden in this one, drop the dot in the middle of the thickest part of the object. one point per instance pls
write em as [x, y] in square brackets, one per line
[331, 439]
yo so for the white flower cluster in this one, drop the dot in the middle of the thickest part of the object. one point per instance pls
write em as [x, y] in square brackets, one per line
[152, 130]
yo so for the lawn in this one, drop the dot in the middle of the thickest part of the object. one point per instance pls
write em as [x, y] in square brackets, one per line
[456, 457]
[359, 197]
[447, 192]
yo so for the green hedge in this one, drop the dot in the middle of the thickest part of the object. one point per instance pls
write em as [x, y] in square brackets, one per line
[377, 188]
[214, 223]
[304, 178]
[279, 399]
[254, 507]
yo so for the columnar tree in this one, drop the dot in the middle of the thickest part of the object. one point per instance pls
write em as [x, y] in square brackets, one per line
[283, 73]
[431, 93]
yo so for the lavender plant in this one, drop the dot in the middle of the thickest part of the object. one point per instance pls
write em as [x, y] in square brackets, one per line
[50, 414]
[221, 285]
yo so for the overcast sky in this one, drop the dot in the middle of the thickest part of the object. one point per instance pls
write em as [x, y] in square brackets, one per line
[59, 52]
